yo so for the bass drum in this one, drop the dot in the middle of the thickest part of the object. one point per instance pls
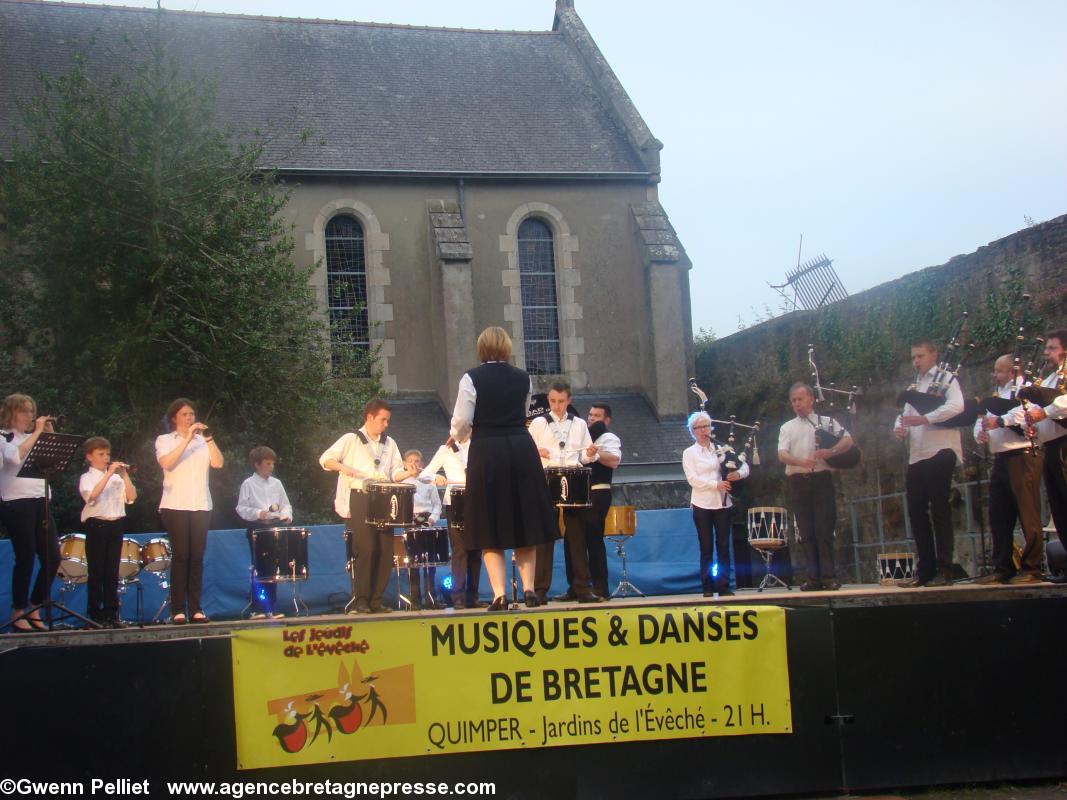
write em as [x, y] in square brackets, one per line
[280, 554]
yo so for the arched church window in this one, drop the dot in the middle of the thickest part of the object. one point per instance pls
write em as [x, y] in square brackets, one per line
[540, 311]
[346, 294]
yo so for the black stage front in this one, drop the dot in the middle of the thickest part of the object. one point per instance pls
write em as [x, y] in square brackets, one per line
[890, 688]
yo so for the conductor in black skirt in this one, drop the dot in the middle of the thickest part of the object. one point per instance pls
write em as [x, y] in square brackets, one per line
[508, 504]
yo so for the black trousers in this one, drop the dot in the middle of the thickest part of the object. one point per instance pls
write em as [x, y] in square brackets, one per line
[466, 567]
[264, 595]
[25, 523]
[927, 484]
[188, 540]
[372, 551]
[593, 531]
[103, 551]
[713, 531]
[546, 554]
[576, 550]
[814, 506]
[1056, 484]
[1015, 494]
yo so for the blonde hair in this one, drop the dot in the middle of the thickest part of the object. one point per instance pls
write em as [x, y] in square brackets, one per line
[494, 344]
[13, 403]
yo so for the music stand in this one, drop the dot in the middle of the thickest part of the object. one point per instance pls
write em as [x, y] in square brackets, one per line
[50, 455]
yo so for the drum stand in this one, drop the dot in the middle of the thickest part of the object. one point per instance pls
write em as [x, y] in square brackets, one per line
[514, 583]
[770, 579]
[294, 591]
[124, 584]
[164, 584]
[625, 588]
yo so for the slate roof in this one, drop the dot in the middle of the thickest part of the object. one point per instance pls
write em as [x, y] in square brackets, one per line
[423, 425]
[384, 98]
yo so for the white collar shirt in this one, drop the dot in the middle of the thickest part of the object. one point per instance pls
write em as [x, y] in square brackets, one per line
[926, 441]
[611, 444]
[550, 431]
[110, 503]
[1002, 440]
[427, 498]
[263, 494]
[185, 485]
[12, 488]
[466, 399]
[797, 437]
[704, 474]
[350, 451]
[453, 462]
[1048, 430]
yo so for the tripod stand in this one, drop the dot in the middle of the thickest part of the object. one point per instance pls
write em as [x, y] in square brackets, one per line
[49, 456]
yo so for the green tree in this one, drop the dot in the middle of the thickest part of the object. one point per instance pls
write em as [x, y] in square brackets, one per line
[153, 261]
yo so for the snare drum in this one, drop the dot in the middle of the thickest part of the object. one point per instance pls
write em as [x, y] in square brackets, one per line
[895, 569]
[390, 505]
[768, 527]
[72, 561]
[457, 497]
[426, 547]
[155, 555]
[280, 554]
[129, 559]
[569, 486]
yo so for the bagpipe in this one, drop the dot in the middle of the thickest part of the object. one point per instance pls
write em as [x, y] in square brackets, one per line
[825, 438]
[1046, 395]
[946, 371]
[730, 459]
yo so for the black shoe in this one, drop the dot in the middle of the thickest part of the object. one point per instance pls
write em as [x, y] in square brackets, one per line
[533, 600]
[542, 598]
[477, 604]
[830, 586]
[415, 605]
[459, 605]
[568, 597]
[810, 586]
[995, 577]
[378, 608]
[940, 580]
[362, 607]
[725, 593]
[1056, 578]
[498, 604]
[915, 583]
[590, 597]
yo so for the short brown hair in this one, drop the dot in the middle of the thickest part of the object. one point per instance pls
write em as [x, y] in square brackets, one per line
[925, 343]
[176, 406]
[1060, 334]
[560, 385]
[13, 403]
[95, 443]
[413, 452]
[374, 406]
[260, 454]
[494, 344]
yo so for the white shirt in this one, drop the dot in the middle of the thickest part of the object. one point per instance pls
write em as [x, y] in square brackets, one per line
[12, 488]
[427, 499]
[463, 413]
[258, 495]
[1047, 429]
[926, 441]
[110, 503]
[609, 443]
[1001, 440]
[702, 470]
[185, 485]
[573, 433]
[797, 437]
[351, 452]
[453, 463]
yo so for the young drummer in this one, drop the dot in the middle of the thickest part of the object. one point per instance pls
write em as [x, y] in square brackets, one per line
[263, 503]
[106, 489]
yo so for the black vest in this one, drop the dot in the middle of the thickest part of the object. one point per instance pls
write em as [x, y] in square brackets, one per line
[500, 406]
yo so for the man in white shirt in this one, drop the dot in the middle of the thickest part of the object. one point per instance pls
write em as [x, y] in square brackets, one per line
[263, 503]
[933, 453]
[466, 564]
[1014, 486]
[1050, 421]
[366, 455]
[810, 484]
[563, 439]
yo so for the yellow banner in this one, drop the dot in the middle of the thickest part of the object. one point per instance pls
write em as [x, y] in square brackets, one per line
[385, 688]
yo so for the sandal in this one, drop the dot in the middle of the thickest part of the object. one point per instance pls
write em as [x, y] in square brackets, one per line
[200, 616]
[178, 619]
[22, 625]
[34, 618]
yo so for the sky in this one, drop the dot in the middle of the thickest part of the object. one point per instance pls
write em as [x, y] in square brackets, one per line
[890, 135]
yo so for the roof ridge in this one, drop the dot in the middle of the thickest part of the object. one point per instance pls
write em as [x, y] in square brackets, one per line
[266, 18]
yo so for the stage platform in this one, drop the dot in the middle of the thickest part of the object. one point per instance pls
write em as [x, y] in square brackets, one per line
[889, 688]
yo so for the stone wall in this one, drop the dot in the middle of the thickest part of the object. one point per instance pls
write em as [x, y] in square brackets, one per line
[864, 340]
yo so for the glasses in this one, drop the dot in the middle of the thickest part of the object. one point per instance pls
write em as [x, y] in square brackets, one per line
[702, 427]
